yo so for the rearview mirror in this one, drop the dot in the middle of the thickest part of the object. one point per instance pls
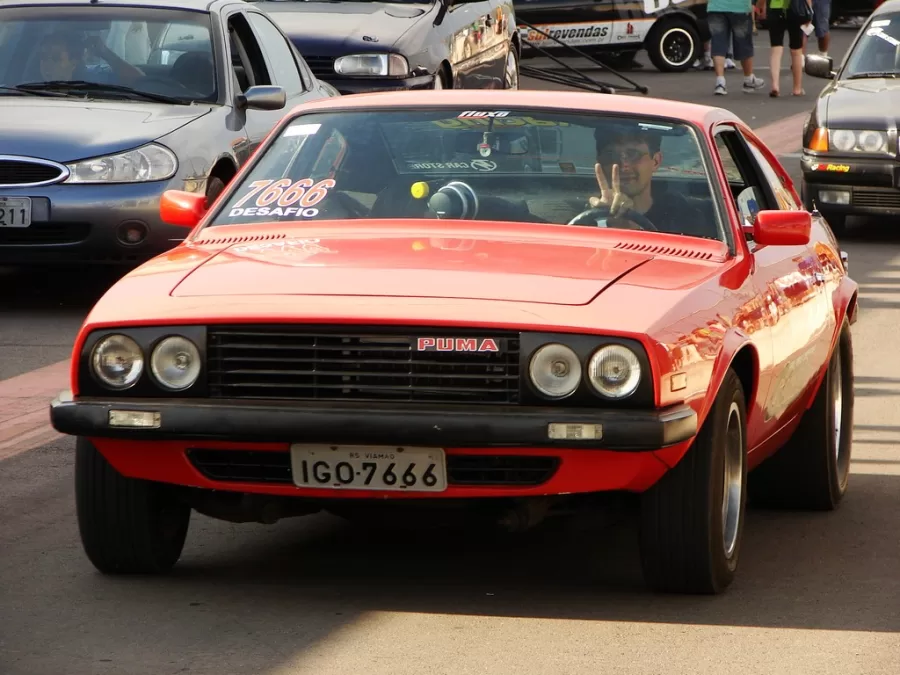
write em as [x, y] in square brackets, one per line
[185, 209]
[782, 228]
[262, 97]
[819, 66]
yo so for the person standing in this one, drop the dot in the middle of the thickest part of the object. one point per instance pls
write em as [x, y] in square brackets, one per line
[732, 21]
[780, 20]
[822, 23]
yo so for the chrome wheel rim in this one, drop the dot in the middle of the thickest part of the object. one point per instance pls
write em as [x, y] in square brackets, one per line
[733, 480]
[512, 72]
[438, 81]
[837, 398]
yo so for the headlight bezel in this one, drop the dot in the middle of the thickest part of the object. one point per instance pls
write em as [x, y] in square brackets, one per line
[585, 396]
[389, 59]
[73, 167]
[888, 147]
[147, 338]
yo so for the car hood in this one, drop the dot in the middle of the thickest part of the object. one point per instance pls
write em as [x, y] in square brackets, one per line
[331, 28]
[64, 130]
[488, 266]
[864, 104]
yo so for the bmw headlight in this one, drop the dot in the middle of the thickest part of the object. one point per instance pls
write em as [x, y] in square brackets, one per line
[614, 371]
[865, 141]
[555, 370]
[117, 361]
[175, 363]
[148, 163]
[385, 65]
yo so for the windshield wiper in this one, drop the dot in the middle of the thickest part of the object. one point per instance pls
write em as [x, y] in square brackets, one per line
[862, 76]
[83, 85]
[30, 92]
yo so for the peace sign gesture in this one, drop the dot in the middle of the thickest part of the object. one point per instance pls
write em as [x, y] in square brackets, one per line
[614, 199]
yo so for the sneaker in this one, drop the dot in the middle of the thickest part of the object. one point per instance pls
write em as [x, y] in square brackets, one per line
[705, 63]
[753, 84]
[720, 90]
[729, 64]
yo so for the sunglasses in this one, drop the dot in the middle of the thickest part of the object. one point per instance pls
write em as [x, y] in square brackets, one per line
[629, 155]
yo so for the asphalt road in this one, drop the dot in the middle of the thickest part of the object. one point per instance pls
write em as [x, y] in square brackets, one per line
[815, 593]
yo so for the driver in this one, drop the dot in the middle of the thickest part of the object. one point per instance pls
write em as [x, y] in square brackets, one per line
[626, 162]
[62, 57]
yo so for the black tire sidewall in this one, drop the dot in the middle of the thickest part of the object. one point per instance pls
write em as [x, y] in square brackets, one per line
[654, 43]
[838, 482]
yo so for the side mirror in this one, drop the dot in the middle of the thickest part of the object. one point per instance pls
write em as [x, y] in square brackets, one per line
[820, 66]
[262, 97]
[782, 228]
[182, 208]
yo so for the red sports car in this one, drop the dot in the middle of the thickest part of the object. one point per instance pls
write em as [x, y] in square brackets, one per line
[511, 301]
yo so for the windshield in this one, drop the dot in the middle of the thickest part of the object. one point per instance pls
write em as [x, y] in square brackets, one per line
[877, 53]
[111, 52]
[530, 166]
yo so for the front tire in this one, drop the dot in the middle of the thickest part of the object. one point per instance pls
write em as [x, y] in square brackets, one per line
[812, 470]
[511, 74]
[127, 526]
[692, 520]
[672, 45]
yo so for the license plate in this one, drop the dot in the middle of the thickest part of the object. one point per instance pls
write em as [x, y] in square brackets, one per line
[15, 211]
[364, 467]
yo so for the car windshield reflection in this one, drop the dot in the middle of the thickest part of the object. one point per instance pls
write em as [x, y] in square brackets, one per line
[877, 54]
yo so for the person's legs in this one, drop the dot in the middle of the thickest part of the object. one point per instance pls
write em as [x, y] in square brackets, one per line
[795, 42]
[705, 61]
[742, 33]
[729, 57]
[720, 32]
[822, 23]
[776, 25]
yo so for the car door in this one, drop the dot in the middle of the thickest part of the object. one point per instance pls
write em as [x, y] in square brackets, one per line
[285, 65]
[477, 53]
[788, 282]
[250, 69]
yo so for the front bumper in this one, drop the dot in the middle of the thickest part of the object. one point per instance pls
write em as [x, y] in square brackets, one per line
[872, 186]
[368, 424]
[368, 85]
[78, 224]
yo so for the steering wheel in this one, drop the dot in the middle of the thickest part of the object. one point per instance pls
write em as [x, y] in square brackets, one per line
[593, 217]
[164, 81]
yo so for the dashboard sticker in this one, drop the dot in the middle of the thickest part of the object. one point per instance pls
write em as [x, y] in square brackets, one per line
[283, 197]
[502, 123]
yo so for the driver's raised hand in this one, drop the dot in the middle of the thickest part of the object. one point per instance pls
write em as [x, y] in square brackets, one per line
[612, 198]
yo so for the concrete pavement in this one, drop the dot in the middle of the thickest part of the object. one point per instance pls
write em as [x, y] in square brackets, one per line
[816, 594]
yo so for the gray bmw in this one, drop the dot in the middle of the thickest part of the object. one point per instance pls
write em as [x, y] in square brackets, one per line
[105, 105]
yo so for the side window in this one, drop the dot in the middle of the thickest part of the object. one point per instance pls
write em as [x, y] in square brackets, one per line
[783, 196]
[746, 188]
[246, 56]
[280, 56]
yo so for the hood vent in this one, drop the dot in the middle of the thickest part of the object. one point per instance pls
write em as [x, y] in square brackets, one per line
[675, 251]
[240, 239]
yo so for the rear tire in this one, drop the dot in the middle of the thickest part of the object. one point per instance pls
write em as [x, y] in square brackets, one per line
[672, 45]
[692, 520]
[127, 526]
[812, 471]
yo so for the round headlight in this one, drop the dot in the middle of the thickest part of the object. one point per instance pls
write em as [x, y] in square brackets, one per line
[176, 363]
[117, 361]
[843, 140]
[614, 371]
[872, 141]
[555, 370]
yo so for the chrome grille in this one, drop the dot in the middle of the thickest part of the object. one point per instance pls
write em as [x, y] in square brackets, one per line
[25, 172]
[383, 365]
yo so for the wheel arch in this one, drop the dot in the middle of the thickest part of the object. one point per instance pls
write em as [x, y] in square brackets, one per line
[225, 168]
[447, 70]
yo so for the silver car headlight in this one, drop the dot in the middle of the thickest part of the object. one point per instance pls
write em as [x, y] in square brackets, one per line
[117, 361]
[175, 363]
[865, 141]
[555, 370]
[385, 65]
[148, 163]
[614, 371]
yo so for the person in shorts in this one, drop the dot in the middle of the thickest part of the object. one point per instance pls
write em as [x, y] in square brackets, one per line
[732, 21]
[778, 22]
[822, 23]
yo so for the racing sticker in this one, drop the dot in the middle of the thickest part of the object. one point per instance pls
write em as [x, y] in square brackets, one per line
[634, 30]
[498, 123]
[654, 6]
[283, 197]
[483, 114]
[575, 34]
[482, 165]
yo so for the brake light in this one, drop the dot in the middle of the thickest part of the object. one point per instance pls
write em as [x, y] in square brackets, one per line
[819, 140]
